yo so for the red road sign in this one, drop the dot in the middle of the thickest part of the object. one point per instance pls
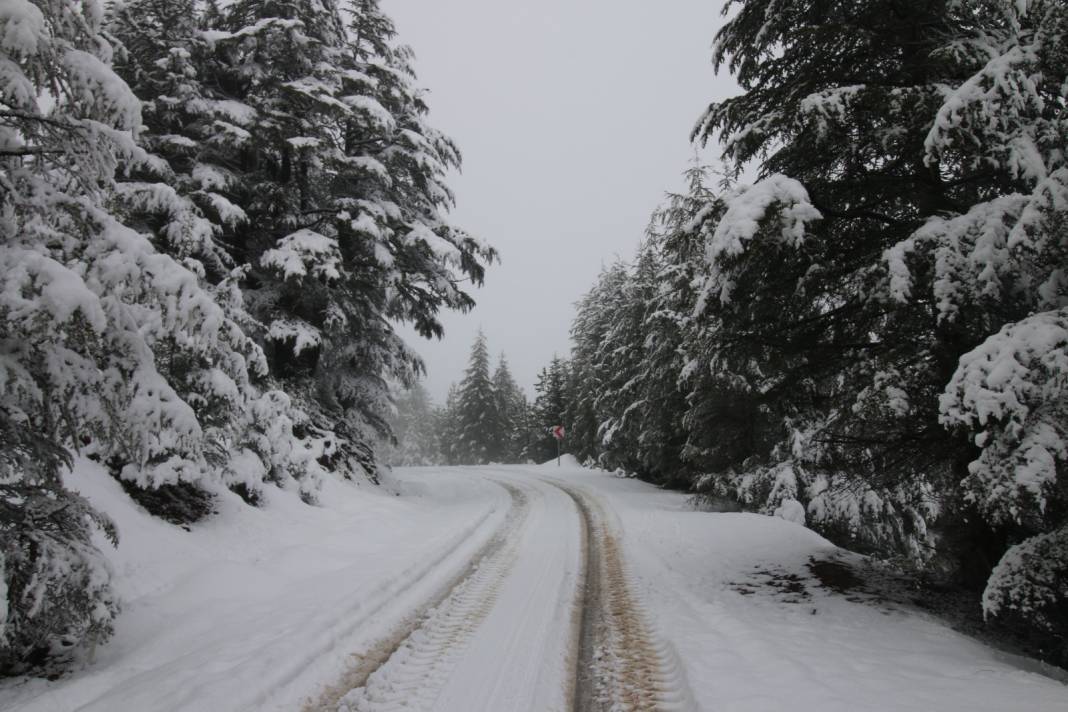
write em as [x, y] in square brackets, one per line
[558, 432]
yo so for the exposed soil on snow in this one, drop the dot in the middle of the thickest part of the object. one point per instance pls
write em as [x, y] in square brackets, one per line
[834, 575]
[584, 695]
[580, 695]
[621, 666]
[462, 597]
[960, 609]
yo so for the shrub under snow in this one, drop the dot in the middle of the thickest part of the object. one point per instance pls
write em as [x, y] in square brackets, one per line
[1010, 395]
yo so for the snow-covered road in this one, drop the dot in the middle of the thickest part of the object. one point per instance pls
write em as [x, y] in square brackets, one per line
[502, 638]
[504, 589]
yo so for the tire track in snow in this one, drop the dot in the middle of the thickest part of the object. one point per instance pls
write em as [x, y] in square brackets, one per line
[622, 665]
[407, 669]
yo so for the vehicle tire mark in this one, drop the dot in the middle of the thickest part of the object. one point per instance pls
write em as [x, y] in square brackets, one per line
[408, 668]
[621, 665]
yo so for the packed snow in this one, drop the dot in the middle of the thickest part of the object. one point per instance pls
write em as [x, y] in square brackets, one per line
[480, 567]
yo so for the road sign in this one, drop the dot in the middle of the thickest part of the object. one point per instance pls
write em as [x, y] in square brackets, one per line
[558, 433]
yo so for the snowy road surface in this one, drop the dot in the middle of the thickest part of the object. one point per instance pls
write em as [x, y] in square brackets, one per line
[506, 589]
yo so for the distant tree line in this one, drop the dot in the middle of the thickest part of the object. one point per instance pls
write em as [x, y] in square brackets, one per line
[872, 338]
[485, 419]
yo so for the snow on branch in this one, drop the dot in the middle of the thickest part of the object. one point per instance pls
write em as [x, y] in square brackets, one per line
[781, 201]
[299, 333]
[22, 28]
[983, 253]
[830, 104]
[1011, 394]
[1006, 112]
[305, 252]
[1029, 581]
[442, 249]
[93, 84]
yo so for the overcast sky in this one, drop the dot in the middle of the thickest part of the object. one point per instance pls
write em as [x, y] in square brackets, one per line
[573, 117]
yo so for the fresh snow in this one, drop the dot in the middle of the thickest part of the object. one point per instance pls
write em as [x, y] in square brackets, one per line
[303, 250]
[748, 206]
[268, 609]
[24, 28]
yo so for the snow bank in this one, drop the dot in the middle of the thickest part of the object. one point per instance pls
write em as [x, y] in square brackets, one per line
[566, 460]
[257, 607]
[733, 596]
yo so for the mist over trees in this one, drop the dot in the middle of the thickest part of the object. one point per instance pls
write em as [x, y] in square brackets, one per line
[212, 216]
[871, 339]
[485, 419]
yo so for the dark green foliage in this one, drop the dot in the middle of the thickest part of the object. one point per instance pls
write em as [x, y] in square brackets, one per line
[415, 427]
[55, 583]
[807, 328]
[551, 407]
[513, 412]
[297, 148]
[630, 373]
[480, 431]
[181, 503]
[842, 367]
[486, 418]
[232, 271]
[875, 333]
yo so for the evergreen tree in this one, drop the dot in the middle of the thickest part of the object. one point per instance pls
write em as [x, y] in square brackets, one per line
[448, 427]
[589, 375]
[512, 412]
[624, 361]
[665, 451]
[350, 197]
[180, 198]
[414, 428]
[307, 154]
[627, 405]
[910, 212]
[93, 324]
[479, 432]
[551, 406]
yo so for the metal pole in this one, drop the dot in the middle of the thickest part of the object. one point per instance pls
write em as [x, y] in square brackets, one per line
[558, 452]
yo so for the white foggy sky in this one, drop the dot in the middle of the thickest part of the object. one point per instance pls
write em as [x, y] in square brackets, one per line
[573, 117]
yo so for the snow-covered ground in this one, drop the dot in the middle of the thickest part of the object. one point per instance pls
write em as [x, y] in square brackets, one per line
[465, 593]
[719, 587]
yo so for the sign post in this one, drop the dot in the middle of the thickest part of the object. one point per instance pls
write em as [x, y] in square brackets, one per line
[558, 433]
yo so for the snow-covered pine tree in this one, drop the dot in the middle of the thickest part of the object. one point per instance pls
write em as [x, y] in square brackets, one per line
[342, 182]
[1011, 395]
[668, 328]
[512, 411]
[589, 374]
[55, 585]
[182, 197]
[91, 316]
[999, 270]
[627, 406]
[448, 427]
[551, 407]
[621, 360]
[797, 279]
[177, 198]
[414, 428]
[728, 426]
[479, 426]
[911, 204]
[638, 353]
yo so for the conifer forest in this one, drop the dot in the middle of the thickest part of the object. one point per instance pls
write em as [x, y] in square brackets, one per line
[841, 347]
